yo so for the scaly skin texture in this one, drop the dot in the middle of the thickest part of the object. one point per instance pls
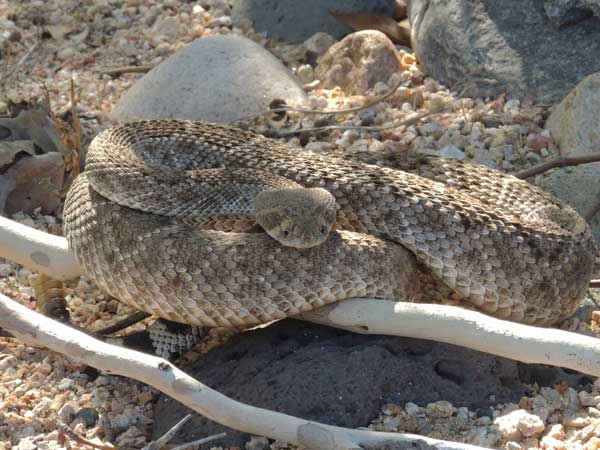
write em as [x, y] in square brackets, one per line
[137, 221]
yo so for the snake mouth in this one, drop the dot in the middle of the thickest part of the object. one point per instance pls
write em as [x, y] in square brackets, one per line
[299, 237]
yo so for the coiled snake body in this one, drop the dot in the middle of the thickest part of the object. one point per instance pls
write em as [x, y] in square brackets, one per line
[163, 219]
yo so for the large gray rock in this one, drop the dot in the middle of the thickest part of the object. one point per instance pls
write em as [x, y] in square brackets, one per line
[295, 21]
[574, 121]
[579, 187]
[573, 124]
[497, 46]
[217, 79]
[341, 378]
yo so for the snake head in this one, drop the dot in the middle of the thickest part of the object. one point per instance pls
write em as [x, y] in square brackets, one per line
[300, 218]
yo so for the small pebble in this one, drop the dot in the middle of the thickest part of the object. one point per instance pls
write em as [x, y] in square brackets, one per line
[440, 409]
[89, 416]
[26, 444]
[120, 422]
[519, 423]
[257, 443]
[452, 152]
[305, 73]
[65, 384]
[391, 423]
[413, 410]
[67, 413]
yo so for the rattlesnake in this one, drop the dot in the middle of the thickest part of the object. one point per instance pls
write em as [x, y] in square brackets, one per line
[143, 223]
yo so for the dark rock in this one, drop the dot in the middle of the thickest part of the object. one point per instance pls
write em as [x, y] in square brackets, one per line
[294, 21]
[89, 416]
[496, 46]
[570, 12]
[340, 378]
[35, 125]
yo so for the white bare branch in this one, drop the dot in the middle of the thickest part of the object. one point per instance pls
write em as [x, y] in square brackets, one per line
[37, 250]
[37, 330]
[368, 316]
[465, 328]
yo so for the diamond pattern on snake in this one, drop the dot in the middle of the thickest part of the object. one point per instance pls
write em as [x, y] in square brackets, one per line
[165, 219]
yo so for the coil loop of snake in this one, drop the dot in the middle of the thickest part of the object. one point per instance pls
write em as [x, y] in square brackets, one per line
[164, 219]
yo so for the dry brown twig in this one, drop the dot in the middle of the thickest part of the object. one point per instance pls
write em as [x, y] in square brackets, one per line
[125, 69]
[561, 161]
[71, 141]
[26, 55]
[70, 136]
[65, 434]
[367, 105]
[46, 94]
[77, 128]
[165, 438]
[396, 124]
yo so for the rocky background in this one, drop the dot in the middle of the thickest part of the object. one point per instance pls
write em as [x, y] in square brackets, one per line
[506, 84]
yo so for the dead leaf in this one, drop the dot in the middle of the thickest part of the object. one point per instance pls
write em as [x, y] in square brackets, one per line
[397, 33]
[10, 151]
[38, 181]
[34, 125]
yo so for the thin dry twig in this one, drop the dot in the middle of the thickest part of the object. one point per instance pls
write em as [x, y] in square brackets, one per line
[157, 444]
[165, 438]
[71, 141]
[395, 124]
[198, 442]
[595, 284]
[77, 129]
[367, 105]
[65, 433]
[561, 161]
[125, 69]
[25, 56]
[44, 89]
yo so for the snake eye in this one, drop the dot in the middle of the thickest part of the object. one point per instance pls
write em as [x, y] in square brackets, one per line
[286, 233]
[323, 229]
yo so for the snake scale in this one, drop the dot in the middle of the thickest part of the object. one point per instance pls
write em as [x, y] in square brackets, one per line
[163, 219]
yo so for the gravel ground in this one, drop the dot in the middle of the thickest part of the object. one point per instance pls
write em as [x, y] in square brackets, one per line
[40, 390]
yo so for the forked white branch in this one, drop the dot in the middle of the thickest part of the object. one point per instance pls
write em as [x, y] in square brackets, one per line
[34, 329]
[371, 316]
